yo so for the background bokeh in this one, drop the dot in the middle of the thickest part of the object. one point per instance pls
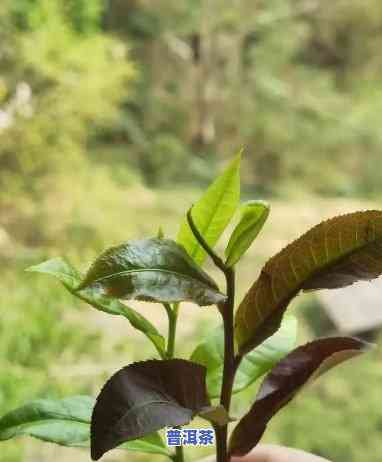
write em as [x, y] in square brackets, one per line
[114, 115]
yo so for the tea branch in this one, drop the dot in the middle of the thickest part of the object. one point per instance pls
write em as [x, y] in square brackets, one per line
[231, 362]
[172, 314]
[214, 257]
[179, 454]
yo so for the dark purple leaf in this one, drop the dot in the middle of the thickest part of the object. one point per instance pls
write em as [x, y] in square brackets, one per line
[285, 380]
[145, 397]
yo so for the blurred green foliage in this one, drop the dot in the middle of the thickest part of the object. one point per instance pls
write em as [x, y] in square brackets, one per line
[294, 82]
[37, 335]
[59, 86]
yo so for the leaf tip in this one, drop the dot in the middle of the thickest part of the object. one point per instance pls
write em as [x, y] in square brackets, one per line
[160, 233]
[238, 157]
[240, 153]
[366, 346]
[95, 454]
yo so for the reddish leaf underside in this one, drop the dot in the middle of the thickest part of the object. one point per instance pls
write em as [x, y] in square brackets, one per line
[285, 380]
[145, 397]
[333, 254]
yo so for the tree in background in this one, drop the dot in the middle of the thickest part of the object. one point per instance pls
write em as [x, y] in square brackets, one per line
[295, 82]
[62, 79]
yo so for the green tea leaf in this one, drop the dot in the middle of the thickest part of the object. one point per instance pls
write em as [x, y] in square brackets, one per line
[156, 270]
[60, 269]
[287, 379]
[210, 354]
[213, 211]
[150, 444]
[71, 279]
[335, 253]
[145, 397]
[65, 422]
[253, 216]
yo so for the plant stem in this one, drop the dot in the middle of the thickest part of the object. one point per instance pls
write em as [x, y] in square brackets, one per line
[172, 314]
[215, 258]
[229, 352]
[230, 362]
[179, 455]
[230, 365]
[221, 443]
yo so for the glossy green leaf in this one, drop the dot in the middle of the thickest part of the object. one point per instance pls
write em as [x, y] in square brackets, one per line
[60, 269]
[286, 380]
[65, 422]
[335, 253]
[253, 216]
[156, 270]
[71, 279]
[145, 397]
[210, 354]
[213, 211]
